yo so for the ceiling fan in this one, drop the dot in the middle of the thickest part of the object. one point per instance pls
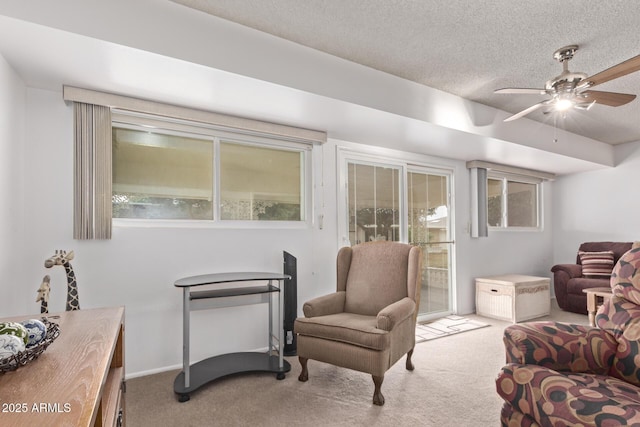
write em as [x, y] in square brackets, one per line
[573, 90]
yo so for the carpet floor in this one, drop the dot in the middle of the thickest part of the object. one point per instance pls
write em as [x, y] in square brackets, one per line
[453, 384]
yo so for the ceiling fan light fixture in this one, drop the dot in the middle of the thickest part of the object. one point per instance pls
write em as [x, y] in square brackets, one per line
[564, 104]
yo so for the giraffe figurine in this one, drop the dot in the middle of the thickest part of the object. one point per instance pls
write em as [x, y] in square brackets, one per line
[62, 258]
[43, 294]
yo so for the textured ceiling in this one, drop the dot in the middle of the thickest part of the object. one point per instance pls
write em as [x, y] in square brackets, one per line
[468, 48]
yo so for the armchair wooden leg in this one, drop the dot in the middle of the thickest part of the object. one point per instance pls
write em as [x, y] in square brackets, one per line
[410, 366]
[304, 375]
[378, 398]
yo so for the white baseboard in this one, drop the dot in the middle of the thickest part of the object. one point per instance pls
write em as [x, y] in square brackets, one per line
[152, 371]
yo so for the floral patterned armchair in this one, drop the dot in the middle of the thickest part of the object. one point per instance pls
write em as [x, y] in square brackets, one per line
[568, 375]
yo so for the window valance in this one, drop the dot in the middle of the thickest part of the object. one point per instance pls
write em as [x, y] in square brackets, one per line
[239, 124]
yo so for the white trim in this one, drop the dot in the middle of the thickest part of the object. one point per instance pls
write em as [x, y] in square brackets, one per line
[152, 371]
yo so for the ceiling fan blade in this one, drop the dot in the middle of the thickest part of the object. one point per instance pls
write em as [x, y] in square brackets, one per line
[521, 91]
[622, 69]
[527, 110]
[612, 99]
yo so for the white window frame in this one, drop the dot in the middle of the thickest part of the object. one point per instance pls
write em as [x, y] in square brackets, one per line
[146, 122]
[505, 178]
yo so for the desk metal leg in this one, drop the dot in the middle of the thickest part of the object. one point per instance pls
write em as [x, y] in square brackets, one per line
[280, 325]
[270, 342]
[185, 335]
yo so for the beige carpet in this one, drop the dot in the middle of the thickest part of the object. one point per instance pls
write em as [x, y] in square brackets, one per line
[453, 385]
[446, 326]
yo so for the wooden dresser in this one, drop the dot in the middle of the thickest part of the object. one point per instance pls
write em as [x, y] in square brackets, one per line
[77, 381]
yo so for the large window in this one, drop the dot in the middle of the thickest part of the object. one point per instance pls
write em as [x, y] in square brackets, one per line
[512, 202]
[177, 172]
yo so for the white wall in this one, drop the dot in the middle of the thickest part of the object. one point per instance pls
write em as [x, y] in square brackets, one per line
[511, 252]
[138, 266]
[12, 112]
[597, 206]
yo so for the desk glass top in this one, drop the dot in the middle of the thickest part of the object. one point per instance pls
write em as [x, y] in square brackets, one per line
[210, 279]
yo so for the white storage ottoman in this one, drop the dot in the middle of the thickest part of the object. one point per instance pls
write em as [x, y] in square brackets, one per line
[513, 297]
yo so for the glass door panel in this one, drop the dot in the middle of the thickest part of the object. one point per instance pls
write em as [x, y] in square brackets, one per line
[429, 228]
[374, 203]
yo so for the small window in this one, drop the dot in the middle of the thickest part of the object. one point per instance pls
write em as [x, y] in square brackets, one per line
[188, 173]
[512, 203]
[161, 176]
[260, 183]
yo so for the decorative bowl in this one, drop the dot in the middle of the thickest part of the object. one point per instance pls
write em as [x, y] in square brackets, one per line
[24, 357]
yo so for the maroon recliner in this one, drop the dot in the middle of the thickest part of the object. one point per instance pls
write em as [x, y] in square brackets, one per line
[569, 283]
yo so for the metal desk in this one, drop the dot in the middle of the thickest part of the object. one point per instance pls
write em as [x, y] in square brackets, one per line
[195, 376]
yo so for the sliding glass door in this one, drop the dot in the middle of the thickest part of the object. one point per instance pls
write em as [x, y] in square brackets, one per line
[429, 214]
[400, 202]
